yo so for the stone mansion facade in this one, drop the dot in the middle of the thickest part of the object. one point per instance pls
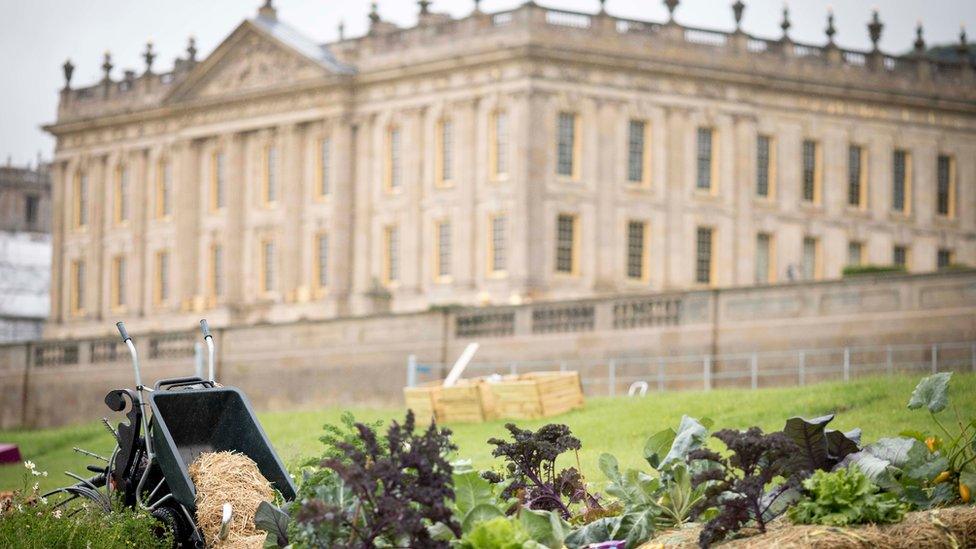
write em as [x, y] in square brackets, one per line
[532, 154]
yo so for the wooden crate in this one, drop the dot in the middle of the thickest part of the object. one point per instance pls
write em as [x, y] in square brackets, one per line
[527, 396]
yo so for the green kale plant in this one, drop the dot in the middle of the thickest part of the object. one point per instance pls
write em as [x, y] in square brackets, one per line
[845, 497]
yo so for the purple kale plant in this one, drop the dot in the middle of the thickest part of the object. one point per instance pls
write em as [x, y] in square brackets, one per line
[737, 485]
[401, 483]
[530, 469]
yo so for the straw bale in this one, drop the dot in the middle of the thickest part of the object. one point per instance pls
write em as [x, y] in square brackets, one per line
[952, 527]
[227, 477]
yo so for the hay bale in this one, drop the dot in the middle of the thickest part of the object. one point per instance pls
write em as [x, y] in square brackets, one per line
[227, 477]
[952, 527]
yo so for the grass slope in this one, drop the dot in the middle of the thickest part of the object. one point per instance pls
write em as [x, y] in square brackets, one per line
[618, 426]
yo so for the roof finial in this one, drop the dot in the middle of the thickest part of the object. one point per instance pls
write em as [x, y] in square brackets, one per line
[374, 13]
[107, 66]
[963, 47]
[785, 25]
[874, 29]
[831, 30]
[191, 49]
[268, 11]
[671, 5]
[69, 69]
[149, 56]
[737, 10]
[919, 40]
[477, 6]
[424, 6]
[342, 30]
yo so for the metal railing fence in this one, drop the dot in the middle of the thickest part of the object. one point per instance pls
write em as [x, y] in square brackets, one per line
[754, 370]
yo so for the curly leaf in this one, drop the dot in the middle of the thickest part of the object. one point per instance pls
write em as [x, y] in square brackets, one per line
[636, 527]
[932, 392]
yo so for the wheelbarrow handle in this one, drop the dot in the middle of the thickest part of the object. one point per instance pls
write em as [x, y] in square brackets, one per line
[205, 328]
[122, 331]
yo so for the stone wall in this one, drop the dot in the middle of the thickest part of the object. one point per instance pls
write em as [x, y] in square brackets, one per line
[363, 360]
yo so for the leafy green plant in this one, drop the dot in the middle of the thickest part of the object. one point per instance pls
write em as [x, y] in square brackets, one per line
[736, 485]
[820, 448]
[531, 474]
[527, 530]
[664, 499]
[29, 521]
[844, 497]
[922, 469]
[476, 500]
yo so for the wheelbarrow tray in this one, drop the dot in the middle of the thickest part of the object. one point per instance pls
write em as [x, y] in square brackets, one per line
[187, 423]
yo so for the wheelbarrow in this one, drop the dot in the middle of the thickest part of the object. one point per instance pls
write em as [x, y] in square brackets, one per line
[190, 416]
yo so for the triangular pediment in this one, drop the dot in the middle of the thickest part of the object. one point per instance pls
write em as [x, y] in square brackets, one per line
[255, 57]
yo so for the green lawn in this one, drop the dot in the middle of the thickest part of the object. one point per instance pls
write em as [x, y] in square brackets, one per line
[619, 426]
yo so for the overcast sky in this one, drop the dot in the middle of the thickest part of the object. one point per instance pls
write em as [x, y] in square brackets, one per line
[36, 36]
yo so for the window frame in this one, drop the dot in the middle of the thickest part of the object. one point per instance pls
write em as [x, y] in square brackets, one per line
[645, 262]
[950, 212]
[117, 283]
[393, 160]
[908, 175]
[859, 246]
[76, 287]
[120, 202]
[391, 256]
[215, 273]
[323, 168]
[574, 245]
[444, 153]
[711, 255]
[270, 182]
[218, 181]
[817, 172]
[770, 257]
[164, 189]
[817, 271]
[712, 132]
[321, 266]
[499, 221]
[80, 208]
[440, 262]
[906, 252]
[575, 148]
[498, 148]
[862, 176]
[950, 255]
[645, 152]
[161, 278]
[771, 172]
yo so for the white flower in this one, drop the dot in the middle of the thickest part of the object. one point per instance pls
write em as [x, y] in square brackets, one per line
[36, 486]
[36, 473]
[30, 465]
[44, 500]
[44, 474]
[57, 513]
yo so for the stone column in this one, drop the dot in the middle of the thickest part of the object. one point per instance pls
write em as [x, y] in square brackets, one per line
[676, 192]
[97, 203]
[186, 217]
[293, 245]
[605, 263]
[368, 152]
[236, 266]
[61, 178]
[345, 133]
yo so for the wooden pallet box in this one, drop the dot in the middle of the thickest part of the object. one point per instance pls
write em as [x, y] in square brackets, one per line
[526, 396]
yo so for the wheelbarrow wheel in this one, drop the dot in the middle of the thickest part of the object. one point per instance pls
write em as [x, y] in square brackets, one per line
[71, 500]
[169, 519]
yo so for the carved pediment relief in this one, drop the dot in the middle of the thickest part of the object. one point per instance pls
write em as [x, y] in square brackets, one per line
[252, 62]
